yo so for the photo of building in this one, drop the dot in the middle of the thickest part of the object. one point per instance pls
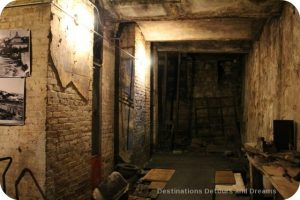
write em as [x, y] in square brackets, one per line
[14, 53]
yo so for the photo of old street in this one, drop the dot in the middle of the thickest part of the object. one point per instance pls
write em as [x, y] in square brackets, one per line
[14, 53]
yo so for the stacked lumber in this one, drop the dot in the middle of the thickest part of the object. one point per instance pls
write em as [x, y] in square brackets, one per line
[282, 169]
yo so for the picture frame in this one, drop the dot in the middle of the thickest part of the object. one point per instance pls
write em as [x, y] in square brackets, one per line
[15, 53]
[12, 101]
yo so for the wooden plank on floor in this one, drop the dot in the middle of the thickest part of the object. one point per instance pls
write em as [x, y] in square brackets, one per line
[162, 175]
[238, 187]
[224, 178]
[137, 198]
[157, 185]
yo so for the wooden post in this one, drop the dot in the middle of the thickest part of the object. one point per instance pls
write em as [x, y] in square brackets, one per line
[164, 90]
[176, 109]
[178, 89]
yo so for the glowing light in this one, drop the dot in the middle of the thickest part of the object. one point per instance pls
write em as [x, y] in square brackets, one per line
[78, 28]
[4, 3]
[85, 21]
[142, 61]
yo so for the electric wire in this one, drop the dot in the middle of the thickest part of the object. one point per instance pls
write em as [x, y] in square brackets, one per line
[95, 32]
[75, 20]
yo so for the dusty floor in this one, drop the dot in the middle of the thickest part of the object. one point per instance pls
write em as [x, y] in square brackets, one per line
[194, 171]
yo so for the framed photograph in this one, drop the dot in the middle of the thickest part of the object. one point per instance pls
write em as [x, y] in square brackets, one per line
[12, 98]
[15, 53]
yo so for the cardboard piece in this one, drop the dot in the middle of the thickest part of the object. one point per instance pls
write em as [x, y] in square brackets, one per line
[161, 175]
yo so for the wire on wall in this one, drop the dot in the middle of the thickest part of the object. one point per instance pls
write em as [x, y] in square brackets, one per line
[75, 20]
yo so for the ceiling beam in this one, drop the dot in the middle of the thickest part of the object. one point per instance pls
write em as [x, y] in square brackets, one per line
[205, 46]
[187, 30]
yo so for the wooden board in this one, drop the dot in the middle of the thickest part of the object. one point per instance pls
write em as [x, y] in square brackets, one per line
[273, 170]
[238, 187]
[224, 178]
[72, 59]
[293, 171]
[163, 175]
[136, 198]
[285, 187]
[157, 185]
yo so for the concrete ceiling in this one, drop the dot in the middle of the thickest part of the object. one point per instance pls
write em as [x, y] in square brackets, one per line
[220, 24]
[201, 29]
[137, 10]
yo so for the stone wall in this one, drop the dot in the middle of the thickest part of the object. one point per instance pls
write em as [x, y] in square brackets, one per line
[26, 144]
[272, 77]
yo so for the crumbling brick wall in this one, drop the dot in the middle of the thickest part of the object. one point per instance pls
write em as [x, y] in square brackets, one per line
[69, 119]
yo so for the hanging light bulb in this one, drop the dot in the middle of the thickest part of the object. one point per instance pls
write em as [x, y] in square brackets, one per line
[4, 3]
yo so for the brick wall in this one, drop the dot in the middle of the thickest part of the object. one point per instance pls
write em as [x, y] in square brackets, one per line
[69, 124]
[272, 77]
[68, 147]
[141, 99]
[126, 107]
[58, 120]
[133, 41]
[26, 144]
[108, 96]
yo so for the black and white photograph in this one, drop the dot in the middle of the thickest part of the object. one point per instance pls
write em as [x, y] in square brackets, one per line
[12, 101]
[15, 53]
